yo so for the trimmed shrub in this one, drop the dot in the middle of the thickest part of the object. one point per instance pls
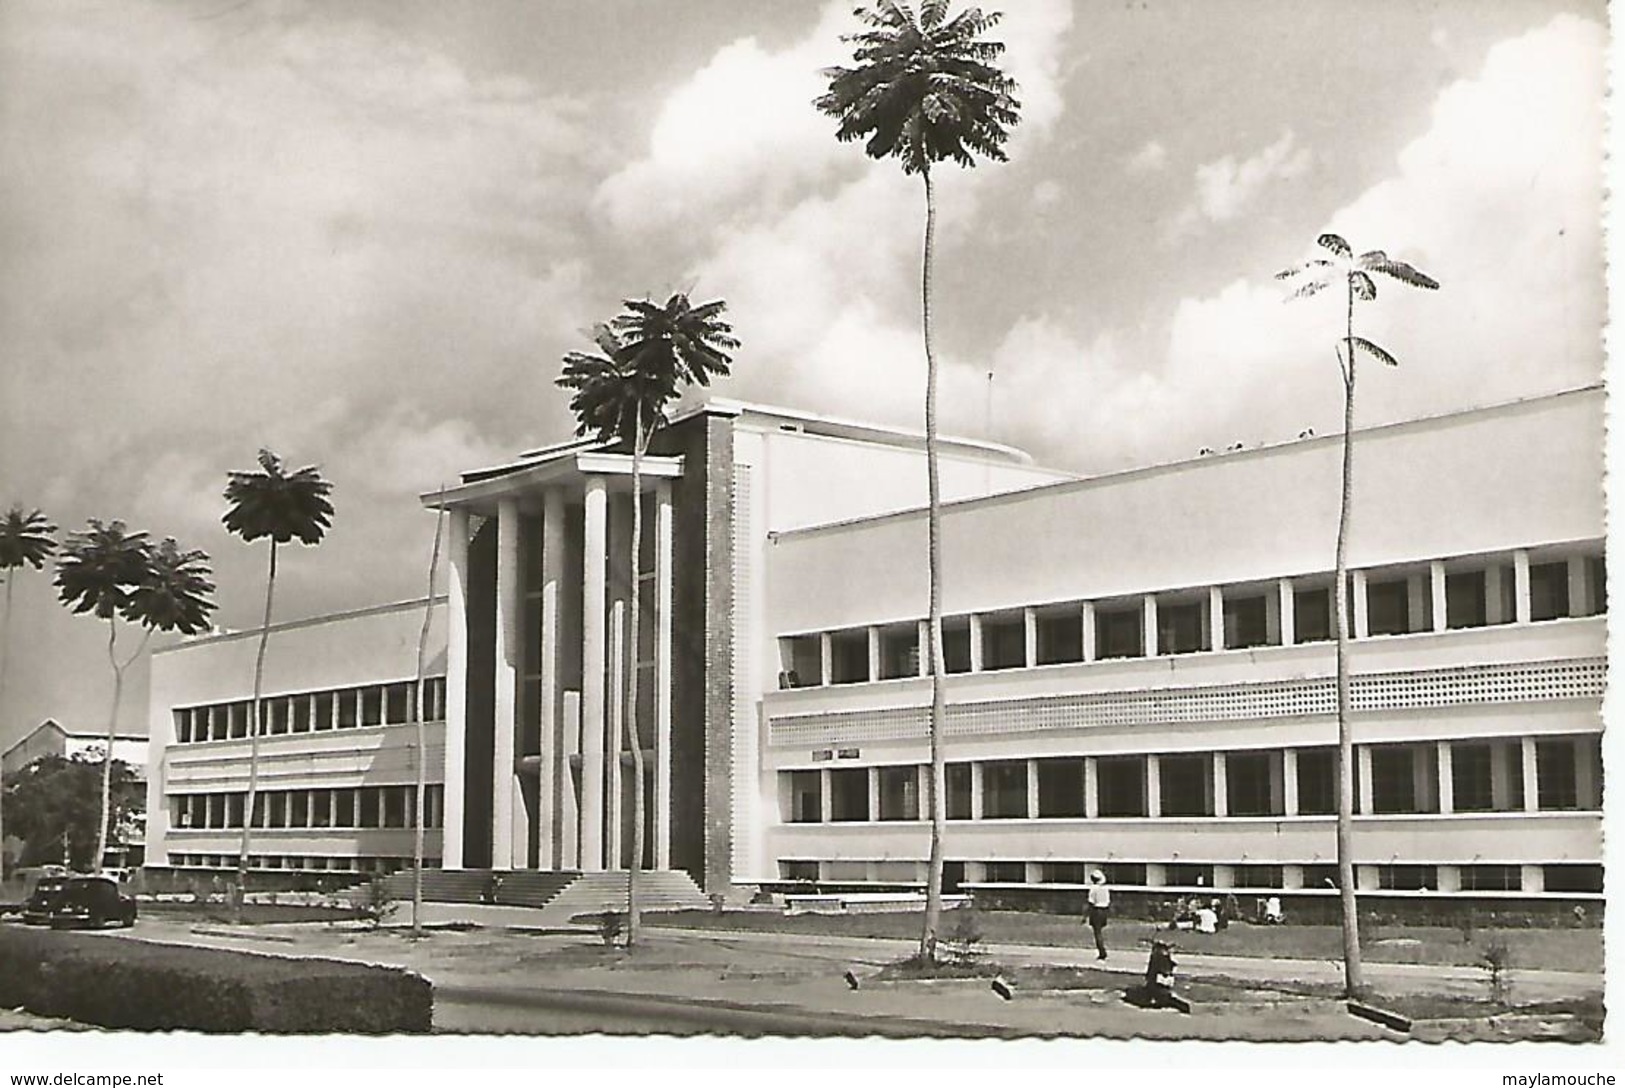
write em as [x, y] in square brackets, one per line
[119, 983]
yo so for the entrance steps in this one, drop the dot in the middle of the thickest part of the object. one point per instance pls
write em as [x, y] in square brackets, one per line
[559, 895]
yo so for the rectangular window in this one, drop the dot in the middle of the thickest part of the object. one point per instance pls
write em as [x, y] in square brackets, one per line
[1004, 642]
[1464, 600]
[899, 652]
[1472, 785]
[956, 644]
[239, 719]
[321, 711]
[1548, 590]
[347, 708]
[398, 703]
[1573, 879]
[1407, 878]
[1251, 784]
[299, 812]
[1060, 637]
[1118, 632]
[394, 803]
[1064, 872]
[276, 809]
[1599, 584]
[234, 809]
[849, 795]
[1491, 878]
[1126, 874]
[1122, 785]
[1004, 790]
[1320, 877]
[1187, 785]
[959, 788]
[806, 871]
[370, 806]
[344, 808]
[1246, 621]
[1181, 627]
[1256, 876]
[1388, 607]
[1187, 876]
[1317, 781]
[1555, 773]
[321, 808]
[1312, 615]
[806, 797]
[372, 705]
[1060, 788]
[849, 657]
[802, 660]
[1005, 872]
[1403, 778]
[900, 793]
[299, 709]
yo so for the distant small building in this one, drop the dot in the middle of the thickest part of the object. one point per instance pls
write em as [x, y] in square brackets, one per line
[49, 738]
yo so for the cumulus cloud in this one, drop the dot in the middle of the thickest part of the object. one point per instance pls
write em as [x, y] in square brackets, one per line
[1149, 159]
[1227, 187]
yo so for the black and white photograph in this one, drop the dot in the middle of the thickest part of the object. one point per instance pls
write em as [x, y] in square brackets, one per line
[784, 534]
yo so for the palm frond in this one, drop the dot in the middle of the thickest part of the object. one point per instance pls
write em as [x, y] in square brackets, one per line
[1403, 272]
[277, 504]
[1373, 350]
[100, 567]
[1336, 244]
[25, 538]
[1363, 287]
[174, 593]
[1309, 288]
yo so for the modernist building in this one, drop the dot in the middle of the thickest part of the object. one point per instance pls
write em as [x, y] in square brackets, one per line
[49, 738]
[1142, 672]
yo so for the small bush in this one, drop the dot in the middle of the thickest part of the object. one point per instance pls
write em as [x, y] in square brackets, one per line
[961, 943]
[160, 987]
[1496, 960]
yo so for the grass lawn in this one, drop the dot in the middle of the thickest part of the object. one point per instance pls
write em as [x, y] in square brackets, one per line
[1547, 949]
[253, 914]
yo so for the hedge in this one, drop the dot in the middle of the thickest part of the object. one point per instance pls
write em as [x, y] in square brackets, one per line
[119, 983]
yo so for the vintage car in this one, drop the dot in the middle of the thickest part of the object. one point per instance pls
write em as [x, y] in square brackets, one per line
[94, 901]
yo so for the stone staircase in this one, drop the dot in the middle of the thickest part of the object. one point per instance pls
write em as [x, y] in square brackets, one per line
[558, 895]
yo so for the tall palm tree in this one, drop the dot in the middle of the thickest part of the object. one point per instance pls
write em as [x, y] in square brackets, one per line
[420, 715]
[277, 506]
[1312, 277]
[116, 574]
[649, 354]
[926, 89]
[25, 539]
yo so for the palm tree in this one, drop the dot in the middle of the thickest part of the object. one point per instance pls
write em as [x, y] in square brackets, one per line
[24, 539]
[650, 353]
[1312, 277]
[278, 506]
[117, 574]
[925, 89]
[422, 729]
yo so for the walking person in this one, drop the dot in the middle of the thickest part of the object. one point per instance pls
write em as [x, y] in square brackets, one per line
[1100, 909]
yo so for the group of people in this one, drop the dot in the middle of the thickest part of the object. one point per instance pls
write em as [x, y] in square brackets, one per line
[1192, 913]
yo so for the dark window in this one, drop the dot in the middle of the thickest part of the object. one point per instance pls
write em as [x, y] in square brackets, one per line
[1246, 621]
[1256, 876]
[1472, 784]
[958, 788]
[849, 795]
[1121, 785]
[1005, 872]
[1187, 785]
[1187, 876]
[344, 808]
[1060, 637]
[1398, 779]
[1407, 878]
[1317, 781]
[956, 644]
[1312, 615]
[321, 812]
[1060, 787]
[1491, 878]
[347, 708]
[277, 809]
[1128, 874]
[1464, 601]
[1004, 643]
[372, 705]
[803, 659]
[371, 814]
[1181, 627]
[398, 702]
[299, 808]
[394, 802]
[899, 653]
[849, 657]
[1555, 774]
[806, 797]
[1004, 790]
[1388, 607]
[321, 711]
[799, 870]
[1250, 784]
[1117, 632]
[1320, 877]
[1065, 872]
[900, 793]
[1548, 590]
[1573, 878]
[434, 699]
[1599, 584]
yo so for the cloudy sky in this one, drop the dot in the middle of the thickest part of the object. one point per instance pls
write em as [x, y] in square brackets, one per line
[364, 232]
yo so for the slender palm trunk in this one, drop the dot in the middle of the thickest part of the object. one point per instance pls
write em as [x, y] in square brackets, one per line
[422, 730]
[5, 646]
[1352, 980]
[633, 922]
[939, 707]
[254, 738]
[112, 732]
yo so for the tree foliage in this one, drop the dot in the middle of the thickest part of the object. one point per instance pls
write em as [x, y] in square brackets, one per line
[278, 504]
[26, 539]
[54, 804]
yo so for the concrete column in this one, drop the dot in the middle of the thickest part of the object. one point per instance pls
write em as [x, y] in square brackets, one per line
[504, 783]
[1287, 604]
[1436, 587]
[975, 643]
[1449, 878]
[1531, 776]
[1520, 585]
[1362, 624]
[1224, 877]
[1091, 788]
[826, 796]
[1029, 622]
[826, 659]
[976, 791]
[1417, 598]
[1032, 872]
[1148, 623]
[1532, 878]
[1032, 789]
[663, 674]
[451, 849]
[874, 793]
[1156, 874]
[1493, 613]
[922, 790]
[874, 653]
[1088, 630]
[1153, 785]
[1221, 785]
[1215, 618]
[552, 771]
[1585, 774]
[614, 735]
[594, 598]
[1291, 877]
[1580, 586]
[1362, 759]
[1289, 781]
[1500, 777]
[1447, 779]
[569, 784]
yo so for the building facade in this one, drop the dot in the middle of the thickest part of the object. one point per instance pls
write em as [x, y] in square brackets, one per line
[1141, 667]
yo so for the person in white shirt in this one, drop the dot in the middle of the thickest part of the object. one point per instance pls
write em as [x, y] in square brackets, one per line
[1100, 906]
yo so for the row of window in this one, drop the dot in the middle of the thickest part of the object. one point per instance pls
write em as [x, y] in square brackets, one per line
[357, 864]
[1184, 876]
[1394, 779]
[356, 807]
[1478, 592]
[315, 711]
